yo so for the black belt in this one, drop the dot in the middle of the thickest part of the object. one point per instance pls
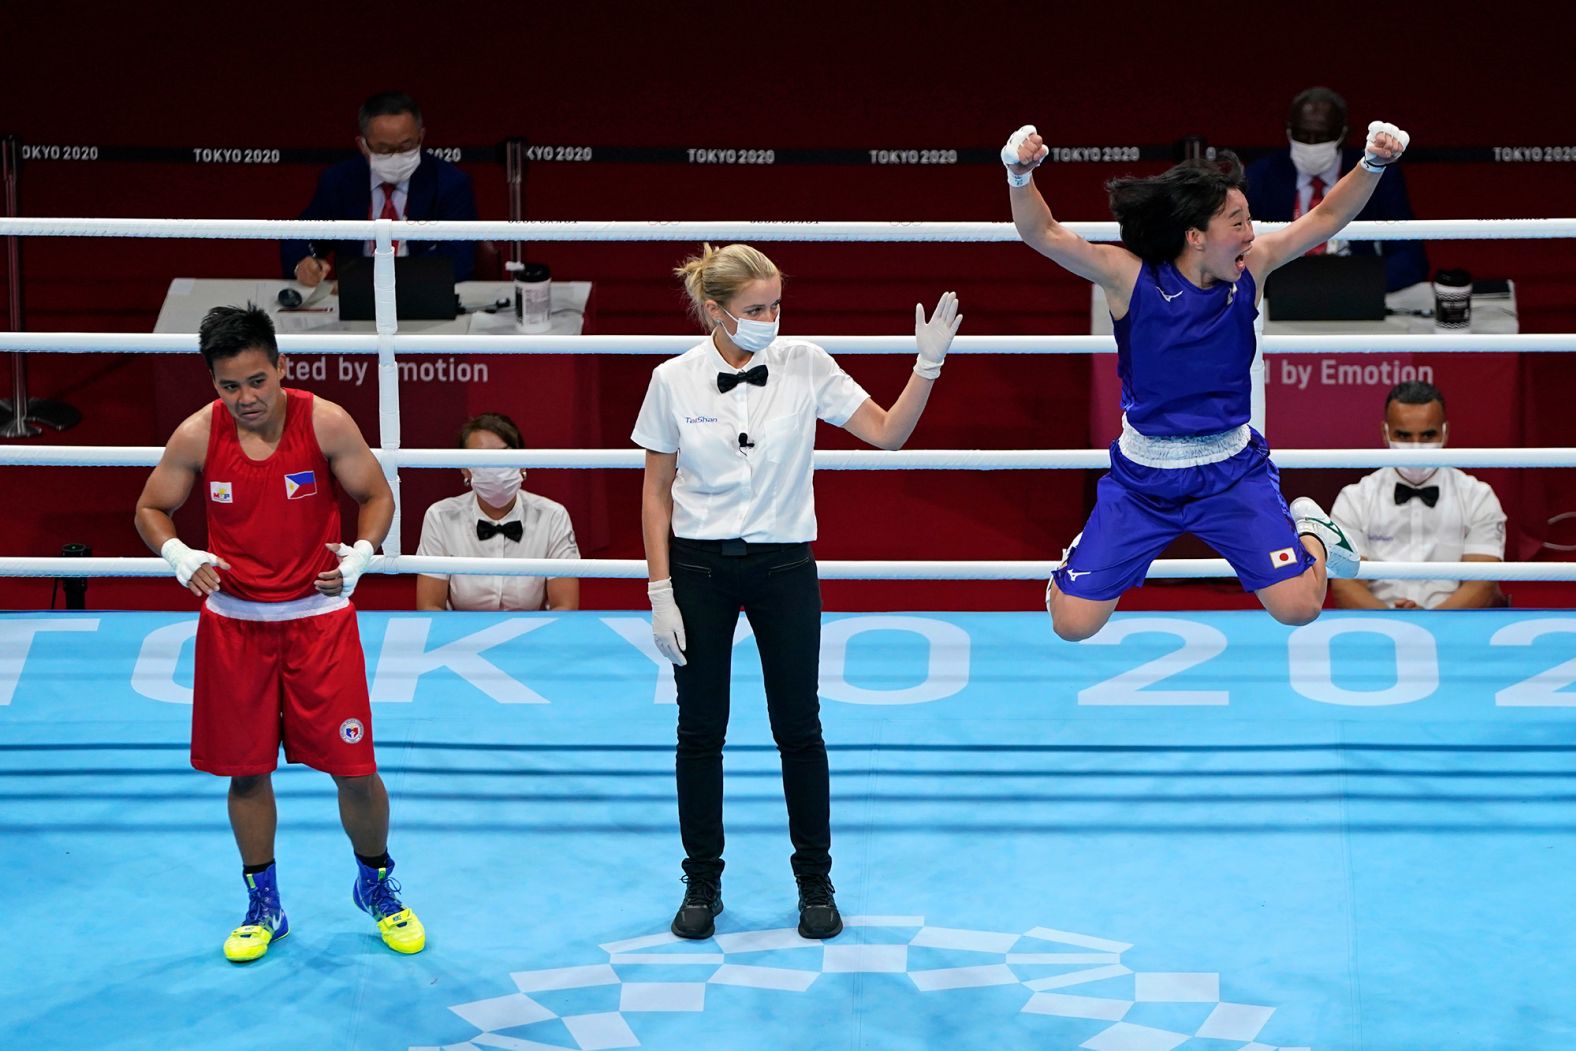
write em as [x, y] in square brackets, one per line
[736, 548]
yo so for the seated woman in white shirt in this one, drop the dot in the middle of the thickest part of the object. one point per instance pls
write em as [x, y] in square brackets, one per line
[727, 514]
[496, 519]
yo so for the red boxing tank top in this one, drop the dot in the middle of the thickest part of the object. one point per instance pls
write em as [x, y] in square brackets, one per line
[270, 518]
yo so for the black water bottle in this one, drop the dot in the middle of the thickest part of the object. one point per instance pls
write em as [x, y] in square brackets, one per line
[76, 588]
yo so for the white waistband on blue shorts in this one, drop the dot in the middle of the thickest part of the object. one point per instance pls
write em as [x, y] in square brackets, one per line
[1194, 450]
[296, 609]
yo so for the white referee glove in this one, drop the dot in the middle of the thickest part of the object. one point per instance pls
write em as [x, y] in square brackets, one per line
[187, 562]
[935, 336]
[1377, 158]
[353, 561]
[667, 624]
[1012, 155]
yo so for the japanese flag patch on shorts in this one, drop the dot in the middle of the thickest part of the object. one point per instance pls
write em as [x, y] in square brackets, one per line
[1283, 557]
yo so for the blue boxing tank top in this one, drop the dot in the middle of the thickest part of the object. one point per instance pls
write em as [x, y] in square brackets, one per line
[1183, 353]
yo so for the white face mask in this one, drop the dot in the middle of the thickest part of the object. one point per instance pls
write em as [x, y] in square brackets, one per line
[1314, 158]
[1416, 475]
[496, 486]
[754, 335]
[395, 167]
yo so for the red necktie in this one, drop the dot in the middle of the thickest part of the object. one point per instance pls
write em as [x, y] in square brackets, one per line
[389, 211]
[1313, 202]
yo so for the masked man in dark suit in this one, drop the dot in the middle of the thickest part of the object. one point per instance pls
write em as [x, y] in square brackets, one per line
[391, 178]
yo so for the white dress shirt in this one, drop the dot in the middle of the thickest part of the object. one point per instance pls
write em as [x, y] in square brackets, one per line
[1467, 520]
[449, 528]
[401, 192]
[725, 491]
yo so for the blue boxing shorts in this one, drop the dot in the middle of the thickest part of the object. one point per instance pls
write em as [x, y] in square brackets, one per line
[1235, 506]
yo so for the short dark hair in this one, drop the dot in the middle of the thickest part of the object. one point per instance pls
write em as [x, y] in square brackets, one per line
[1315, 96]
[1156, 212]
[387, 104]
[1414, 392]
[494, 423]
[228, 331]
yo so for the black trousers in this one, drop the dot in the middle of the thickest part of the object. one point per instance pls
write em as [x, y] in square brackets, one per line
[777, 587]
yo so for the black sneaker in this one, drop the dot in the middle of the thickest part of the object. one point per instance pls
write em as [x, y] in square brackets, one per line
[702, 901]
[818, 916]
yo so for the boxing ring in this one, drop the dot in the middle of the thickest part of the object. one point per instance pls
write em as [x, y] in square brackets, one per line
[1194, 830]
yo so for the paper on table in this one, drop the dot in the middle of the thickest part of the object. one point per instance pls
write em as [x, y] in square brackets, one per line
[305, 321]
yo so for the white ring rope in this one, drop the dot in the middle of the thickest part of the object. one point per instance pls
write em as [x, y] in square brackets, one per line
[630, 568]
[709, 230]
[827, 459]
[351, 343]
[386, 343]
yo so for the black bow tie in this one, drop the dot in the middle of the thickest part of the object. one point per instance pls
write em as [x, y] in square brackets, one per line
[726, 381]
[1429, 494]
[513, 530]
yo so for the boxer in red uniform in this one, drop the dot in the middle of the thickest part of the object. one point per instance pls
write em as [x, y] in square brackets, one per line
[278, 658]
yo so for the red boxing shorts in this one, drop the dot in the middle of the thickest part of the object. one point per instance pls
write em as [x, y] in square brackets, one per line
[300, 681]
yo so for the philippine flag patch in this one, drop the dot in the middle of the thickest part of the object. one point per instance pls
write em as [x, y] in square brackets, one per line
[1283, 557]
[221, 493]
[302, 483]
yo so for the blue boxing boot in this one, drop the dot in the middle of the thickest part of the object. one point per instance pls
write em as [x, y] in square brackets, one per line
[376, 893]
[265, 921]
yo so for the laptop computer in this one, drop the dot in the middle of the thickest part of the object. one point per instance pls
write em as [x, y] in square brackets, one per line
[1327, 288]
[423, 289]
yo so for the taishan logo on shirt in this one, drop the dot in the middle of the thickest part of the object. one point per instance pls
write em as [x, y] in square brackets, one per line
[300, 484]
[700, 419]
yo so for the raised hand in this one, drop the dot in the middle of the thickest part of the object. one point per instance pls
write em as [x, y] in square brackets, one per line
[935, 335]
[1022, 154]
[1384, 147]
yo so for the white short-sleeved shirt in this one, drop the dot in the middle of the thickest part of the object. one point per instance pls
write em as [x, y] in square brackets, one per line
[724, 491]
[449, 528]
[1467, 520]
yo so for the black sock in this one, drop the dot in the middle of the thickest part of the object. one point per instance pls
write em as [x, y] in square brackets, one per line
[382, 861]
[252, 870]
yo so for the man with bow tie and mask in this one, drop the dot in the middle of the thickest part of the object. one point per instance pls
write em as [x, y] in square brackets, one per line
[1289, 183]
[1420, 514]
[496, 519]
[390, 178]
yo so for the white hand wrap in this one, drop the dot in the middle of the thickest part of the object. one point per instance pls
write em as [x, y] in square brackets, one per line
[184, 560]
[353, 561]
[667, 624]
[1371, 159]
[1009, 156]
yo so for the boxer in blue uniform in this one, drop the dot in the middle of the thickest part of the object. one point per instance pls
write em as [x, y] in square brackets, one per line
[1183, 288]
